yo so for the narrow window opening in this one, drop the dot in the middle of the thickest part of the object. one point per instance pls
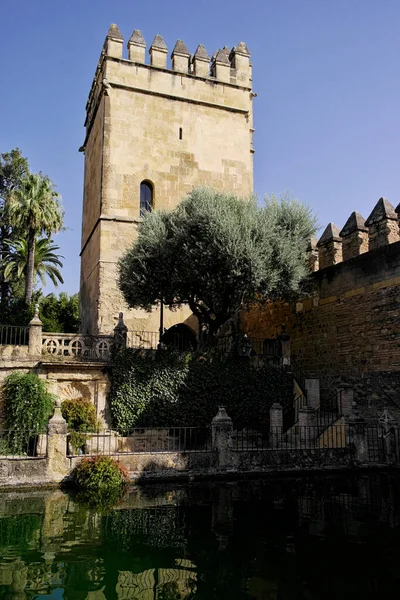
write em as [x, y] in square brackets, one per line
[180, 133]
[146, 198]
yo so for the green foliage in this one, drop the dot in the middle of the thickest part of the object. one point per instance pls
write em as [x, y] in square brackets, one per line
[58, 314]
[16, 312]
[29, 208]
[34, 210]
[169, 591]
[81, 418]
[218, 253]
[186, 390]
[13, 170]
[27, 407]
[80, 414]
[100, 481]
[46, 262]
[19, 531]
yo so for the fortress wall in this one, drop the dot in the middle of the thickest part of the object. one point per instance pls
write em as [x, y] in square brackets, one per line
[349, 326]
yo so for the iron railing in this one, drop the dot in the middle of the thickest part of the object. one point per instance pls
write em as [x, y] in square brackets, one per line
[14, 336]
[299, 438]
[376, 445]
[298, 375]
[291, 416]
[236, 343]
[329, 411]
[22, 444]
[140, 440]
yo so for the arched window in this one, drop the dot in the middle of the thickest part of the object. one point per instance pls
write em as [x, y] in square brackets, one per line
[146, 198]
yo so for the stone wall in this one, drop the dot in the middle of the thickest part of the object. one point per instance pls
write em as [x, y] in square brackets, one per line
[348, 327]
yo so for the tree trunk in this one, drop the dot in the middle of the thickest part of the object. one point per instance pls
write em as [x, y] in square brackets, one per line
[30, 267]
[4, 285]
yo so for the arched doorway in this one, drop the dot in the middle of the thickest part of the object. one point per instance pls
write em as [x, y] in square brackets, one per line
[181, 337]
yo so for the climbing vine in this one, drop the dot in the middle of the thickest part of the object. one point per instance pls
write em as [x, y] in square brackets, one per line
[172, 389]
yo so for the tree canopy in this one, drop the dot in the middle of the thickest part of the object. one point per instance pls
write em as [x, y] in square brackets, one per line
[34, 209]
[30, 213]
[218, 253]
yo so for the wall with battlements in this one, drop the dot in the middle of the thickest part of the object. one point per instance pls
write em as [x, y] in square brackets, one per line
[349, 325]
[177, 126]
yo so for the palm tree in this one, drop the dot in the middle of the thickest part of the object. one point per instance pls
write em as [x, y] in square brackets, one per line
[34, 210]
[46, 262]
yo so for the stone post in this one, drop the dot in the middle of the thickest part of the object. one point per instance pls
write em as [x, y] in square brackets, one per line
[120, 333]
[275, 424]
[58, 463]
[222, 514]
[35, 334]
[345, 400]
[222, 430]
[306, 429]
[356, 427]
[390, 430]
[306, 416]
[312, 393]
[284, 339]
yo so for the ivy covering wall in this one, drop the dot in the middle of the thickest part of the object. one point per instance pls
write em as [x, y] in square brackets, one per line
[167, 389]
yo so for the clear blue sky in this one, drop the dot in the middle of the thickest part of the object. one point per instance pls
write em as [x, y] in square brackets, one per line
[326, 73]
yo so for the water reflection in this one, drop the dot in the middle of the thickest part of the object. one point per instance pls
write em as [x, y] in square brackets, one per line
[270, 540]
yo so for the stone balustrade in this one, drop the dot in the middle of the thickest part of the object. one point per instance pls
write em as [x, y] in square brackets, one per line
[75, 346]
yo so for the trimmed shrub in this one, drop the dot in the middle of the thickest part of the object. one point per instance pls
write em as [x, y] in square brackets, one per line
[187, 389]
[81, 418]
[80, 414]
[27, 408]
[100, 481]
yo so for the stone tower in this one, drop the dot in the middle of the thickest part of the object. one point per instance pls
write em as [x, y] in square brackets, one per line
[153, 132]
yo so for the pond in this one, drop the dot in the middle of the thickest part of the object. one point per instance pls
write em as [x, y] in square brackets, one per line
[270, 539]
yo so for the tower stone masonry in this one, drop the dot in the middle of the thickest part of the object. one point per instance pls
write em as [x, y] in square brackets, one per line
[153, 132]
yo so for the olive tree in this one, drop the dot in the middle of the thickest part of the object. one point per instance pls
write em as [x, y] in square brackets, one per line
[218, 253]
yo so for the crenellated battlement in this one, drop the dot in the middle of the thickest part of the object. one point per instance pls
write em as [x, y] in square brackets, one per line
[235, 62]
[227, 66]
[357, 236]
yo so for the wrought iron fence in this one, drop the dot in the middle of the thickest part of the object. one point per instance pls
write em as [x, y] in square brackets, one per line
[22, 444]
[329, 411]
[291, 416]
[376, 444]
[140, 440]
[84, 347]
[298, 374]
[299, 438]
[251, 439]
[14, 336]
[226, 344]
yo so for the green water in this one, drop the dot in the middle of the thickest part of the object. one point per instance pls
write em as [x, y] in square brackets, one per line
[279, 539]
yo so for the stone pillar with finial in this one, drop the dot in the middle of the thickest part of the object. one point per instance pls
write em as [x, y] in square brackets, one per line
[35, 334]
[356, 427]
[222, 430]
[58, 465]
[390, 430]
[120, 333]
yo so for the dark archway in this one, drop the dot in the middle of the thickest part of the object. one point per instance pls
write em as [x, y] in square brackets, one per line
[181, 337]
